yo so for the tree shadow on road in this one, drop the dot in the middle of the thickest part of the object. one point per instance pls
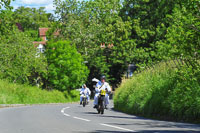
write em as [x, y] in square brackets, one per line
[104, 131]
[145, 131]
[146, 123]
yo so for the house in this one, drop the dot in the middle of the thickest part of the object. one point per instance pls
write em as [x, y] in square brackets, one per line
[42, 34]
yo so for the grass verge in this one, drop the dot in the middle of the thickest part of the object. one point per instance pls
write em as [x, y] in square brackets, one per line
[163, 92]
[11, 93]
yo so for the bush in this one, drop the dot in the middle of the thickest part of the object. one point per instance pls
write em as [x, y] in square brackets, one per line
[18, 59]
[66, 68]
[185, 97]
[165, 92]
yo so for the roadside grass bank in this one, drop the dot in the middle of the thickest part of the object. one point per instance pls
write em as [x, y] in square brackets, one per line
[11, 93]
[165, 92]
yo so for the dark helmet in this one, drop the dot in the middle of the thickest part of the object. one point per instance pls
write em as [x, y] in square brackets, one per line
[103, 77]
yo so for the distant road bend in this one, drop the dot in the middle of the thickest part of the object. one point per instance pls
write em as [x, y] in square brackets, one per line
[73, 118]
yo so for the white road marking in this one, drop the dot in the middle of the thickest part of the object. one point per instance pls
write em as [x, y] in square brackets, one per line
[66, 114]
[117, 127]
[81, 119]
[63, 111]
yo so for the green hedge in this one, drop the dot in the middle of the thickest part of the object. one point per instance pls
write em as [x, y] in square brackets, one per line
[162, 92]
[11, 93]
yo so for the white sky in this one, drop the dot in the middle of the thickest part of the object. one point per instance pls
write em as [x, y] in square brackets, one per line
[48, 4]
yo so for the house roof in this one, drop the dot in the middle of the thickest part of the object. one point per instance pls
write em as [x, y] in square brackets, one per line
[42, 31]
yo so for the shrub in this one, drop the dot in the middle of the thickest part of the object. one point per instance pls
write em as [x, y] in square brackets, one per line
[18, 59]
[165, 92]
[66, 69]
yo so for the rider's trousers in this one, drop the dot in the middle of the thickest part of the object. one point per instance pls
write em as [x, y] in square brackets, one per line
[81, 98]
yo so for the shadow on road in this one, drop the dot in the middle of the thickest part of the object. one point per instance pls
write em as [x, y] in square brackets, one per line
[92, 113]
[124, 117]
[104, 131]
[149, 124]
[150, 131]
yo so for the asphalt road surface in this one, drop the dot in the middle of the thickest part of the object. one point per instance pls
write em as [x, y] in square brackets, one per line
[74, 118]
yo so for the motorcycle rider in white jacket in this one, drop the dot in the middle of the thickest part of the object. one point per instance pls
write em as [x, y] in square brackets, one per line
[102, 85]
[85, 90]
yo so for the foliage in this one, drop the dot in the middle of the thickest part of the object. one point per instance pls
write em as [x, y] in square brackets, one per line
[11, 93]
[92, 23]
[31, 19]
[6, 22]
[149, 23]
[66, 69]
[5, 3]
[184, 99]
[163, 29]
[142, 32]
[19, 62]
[163, 92]
[183, 36]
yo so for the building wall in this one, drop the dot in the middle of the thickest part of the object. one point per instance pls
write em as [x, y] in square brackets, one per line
[43, 37]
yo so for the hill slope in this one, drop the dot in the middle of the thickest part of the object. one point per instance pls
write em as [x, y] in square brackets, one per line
[164, 92]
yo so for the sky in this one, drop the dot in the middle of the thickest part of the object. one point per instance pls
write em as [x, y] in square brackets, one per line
[48, 4]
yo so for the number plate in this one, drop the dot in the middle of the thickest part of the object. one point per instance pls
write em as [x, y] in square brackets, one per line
[103, 92]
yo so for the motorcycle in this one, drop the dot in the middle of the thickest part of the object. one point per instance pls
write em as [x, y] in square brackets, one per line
[84, 100]
[101, 102]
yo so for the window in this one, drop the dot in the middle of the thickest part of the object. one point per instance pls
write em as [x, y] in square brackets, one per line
[41, 48]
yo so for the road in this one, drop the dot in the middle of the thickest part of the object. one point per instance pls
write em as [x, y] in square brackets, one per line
[73, 118]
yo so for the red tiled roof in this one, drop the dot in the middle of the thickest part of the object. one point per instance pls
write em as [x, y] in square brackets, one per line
[42, 31]
[42, 34]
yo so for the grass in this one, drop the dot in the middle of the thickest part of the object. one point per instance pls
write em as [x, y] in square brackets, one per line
[11, 93]
[162, 92]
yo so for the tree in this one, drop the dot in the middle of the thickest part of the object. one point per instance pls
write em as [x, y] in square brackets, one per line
[66, 68]
[149, 24]
[5, 3]
[7, 23]
[18, 60]
[183, 34]
[31, 19]
[89, 24]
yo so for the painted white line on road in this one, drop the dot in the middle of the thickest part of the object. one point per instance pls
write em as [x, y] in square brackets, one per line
[66, 114]
[63, 111]
[117, 127]
[81, 119]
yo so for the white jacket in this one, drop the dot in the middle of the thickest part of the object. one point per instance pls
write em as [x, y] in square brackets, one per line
[101, 86]
[85, 90]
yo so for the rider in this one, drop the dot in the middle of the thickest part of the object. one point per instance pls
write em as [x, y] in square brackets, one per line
[85, 90]
[102, 85]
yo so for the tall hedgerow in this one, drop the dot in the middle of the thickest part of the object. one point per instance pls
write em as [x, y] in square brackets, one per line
[164, 92]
